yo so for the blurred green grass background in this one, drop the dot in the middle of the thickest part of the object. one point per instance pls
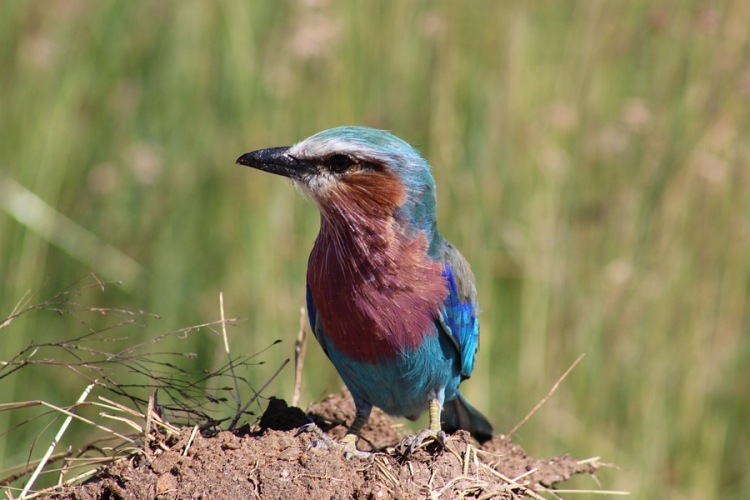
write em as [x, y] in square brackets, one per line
[592, 161]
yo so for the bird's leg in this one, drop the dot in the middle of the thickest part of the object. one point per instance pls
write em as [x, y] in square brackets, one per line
[433, 432]
[349, 441]
[435, 410]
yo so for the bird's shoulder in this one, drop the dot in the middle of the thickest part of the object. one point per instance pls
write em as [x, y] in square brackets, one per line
[456, 265]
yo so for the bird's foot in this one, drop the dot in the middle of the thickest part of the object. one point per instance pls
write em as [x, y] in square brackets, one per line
[323, 440]
[347, 445]
[410, 444]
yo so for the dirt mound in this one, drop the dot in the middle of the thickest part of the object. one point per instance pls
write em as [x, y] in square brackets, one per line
[273, 462]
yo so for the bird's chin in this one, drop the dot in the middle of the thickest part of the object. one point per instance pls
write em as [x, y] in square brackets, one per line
[317, 187]
[301, 187]
[312, 193]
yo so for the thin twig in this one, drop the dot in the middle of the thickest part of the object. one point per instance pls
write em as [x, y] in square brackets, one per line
[185, 393]
[124, 420]
[52, 445]
[525, 489]
[66, 483]
[300, 347]
[147, 426]
[527, 473]
[237, 397]
[22, 470]
[590, 492]
[544, 399]
[190, 441]
[257, 393]
[15, 312]
[86, 420]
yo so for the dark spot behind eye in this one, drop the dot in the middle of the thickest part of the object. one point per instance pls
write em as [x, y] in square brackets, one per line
[340, 163]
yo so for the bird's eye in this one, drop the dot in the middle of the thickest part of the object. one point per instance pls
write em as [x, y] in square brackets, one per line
[340, 163]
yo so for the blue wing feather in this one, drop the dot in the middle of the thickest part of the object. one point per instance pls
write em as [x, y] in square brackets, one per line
[460, 310]
[311, 312]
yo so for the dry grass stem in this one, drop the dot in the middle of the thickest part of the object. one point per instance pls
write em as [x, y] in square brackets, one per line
[589, 492]
[58, 436]
[258, 392]
[300, 348]
[237, 397]
[186, 400]
[544, 399]
[190, 441]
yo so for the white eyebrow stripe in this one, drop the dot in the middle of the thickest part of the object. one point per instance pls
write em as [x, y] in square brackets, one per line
[322, 148]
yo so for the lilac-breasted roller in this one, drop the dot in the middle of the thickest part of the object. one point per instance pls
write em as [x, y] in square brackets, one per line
[392, 303]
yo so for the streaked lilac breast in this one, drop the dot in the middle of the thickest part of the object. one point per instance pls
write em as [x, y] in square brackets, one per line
[376, 291]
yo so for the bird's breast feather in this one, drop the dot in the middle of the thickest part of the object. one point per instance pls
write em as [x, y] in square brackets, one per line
[374, 305]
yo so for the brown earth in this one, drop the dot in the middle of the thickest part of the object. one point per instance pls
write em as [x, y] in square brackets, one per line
[272, 462]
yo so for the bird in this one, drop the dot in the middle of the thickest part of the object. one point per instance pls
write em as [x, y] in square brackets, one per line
[391, 302]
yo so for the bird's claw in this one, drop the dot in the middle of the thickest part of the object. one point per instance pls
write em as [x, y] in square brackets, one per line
[410, 444]
[347, 445]
[322, 441]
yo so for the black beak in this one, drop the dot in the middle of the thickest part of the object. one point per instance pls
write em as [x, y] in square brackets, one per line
[275, 161]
